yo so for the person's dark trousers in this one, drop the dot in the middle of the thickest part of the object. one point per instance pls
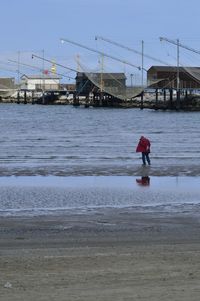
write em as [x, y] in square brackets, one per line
[145, 156]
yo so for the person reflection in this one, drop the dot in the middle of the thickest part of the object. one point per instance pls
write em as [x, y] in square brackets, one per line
[144, 181]
[145, 178]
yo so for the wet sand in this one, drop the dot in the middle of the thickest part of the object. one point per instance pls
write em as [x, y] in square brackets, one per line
[110, 254]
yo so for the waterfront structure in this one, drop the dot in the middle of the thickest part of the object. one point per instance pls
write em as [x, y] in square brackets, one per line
[165, 77]
[68, 87]
[90, 82]
[100, 88]
[43, 82]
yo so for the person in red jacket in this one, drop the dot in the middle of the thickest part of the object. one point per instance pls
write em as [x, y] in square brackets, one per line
[144, 148]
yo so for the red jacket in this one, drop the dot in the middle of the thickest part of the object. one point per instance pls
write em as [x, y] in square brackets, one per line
[143, 145]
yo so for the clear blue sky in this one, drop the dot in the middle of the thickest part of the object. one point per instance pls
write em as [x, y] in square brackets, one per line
[32, 26]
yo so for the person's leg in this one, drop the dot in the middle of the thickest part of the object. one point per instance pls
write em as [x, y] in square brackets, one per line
[143, 158]
[148, 159]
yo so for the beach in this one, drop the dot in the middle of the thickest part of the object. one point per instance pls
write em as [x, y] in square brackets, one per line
[110, 254]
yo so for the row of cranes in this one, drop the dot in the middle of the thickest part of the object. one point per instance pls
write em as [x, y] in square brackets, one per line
[141, 53]
[104, 54]
[102, 90]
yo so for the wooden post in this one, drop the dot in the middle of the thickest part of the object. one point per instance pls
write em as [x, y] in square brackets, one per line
[171, 98]
[142, 103]
[178, 99]
[32, 98]
[76, 101]
[164, 95]
[186, 94]
[156, 97]
[18, 97]
[25, 101]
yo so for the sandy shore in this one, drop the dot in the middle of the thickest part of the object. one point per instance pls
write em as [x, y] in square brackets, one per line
[113, 254]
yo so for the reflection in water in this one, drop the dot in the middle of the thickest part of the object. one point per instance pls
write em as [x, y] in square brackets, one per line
[144, 181]
[37, 195]
[145, 178]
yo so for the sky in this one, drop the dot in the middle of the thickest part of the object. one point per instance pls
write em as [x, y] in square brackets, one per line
[36, 27]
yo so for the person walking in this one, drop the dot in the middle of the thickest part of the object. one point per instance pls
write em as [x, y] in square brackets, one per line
[144, 148]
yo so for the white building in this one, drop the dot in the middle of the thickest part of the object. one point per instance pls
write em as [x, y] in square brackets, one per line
[41, 82]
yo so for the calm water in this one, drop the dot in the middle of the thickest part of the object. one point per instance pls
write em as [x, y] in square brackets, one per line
[63, 140]
[88, 159]
[55, 195]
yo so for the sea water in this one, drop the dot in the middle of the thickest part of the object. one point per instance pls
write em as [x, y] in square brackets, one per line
[62, 157]
[65, 140]
[51, 195]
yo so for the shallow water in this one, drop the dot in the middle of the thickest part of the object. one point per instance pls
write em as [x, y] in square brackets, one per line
[65, 141]
[68, 158]
[52, 195]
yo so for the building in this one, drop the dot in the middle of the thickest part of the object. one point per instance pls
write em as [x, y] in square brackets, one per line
[68, 87]
[94, 82]
[41, 82]
[166, 77]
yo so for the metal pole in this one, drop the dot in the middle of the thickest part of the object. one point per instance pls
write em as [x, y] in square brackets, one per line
[131, 79]
[18, 66]
[178, 79]
[142, 93]
[142, 63]
[177, 64]
[101, 53]
[78, 63]
[43, 87]
[101, 80]
[18, 73]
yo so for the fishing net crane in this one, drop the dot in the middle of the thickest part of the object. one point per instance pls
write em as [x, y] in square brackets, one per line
[178, 44]
[52, 62]
[116, 89]
[100, 52]
[131, 49]
[194, 72]
[39, 69]
[141, 53]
